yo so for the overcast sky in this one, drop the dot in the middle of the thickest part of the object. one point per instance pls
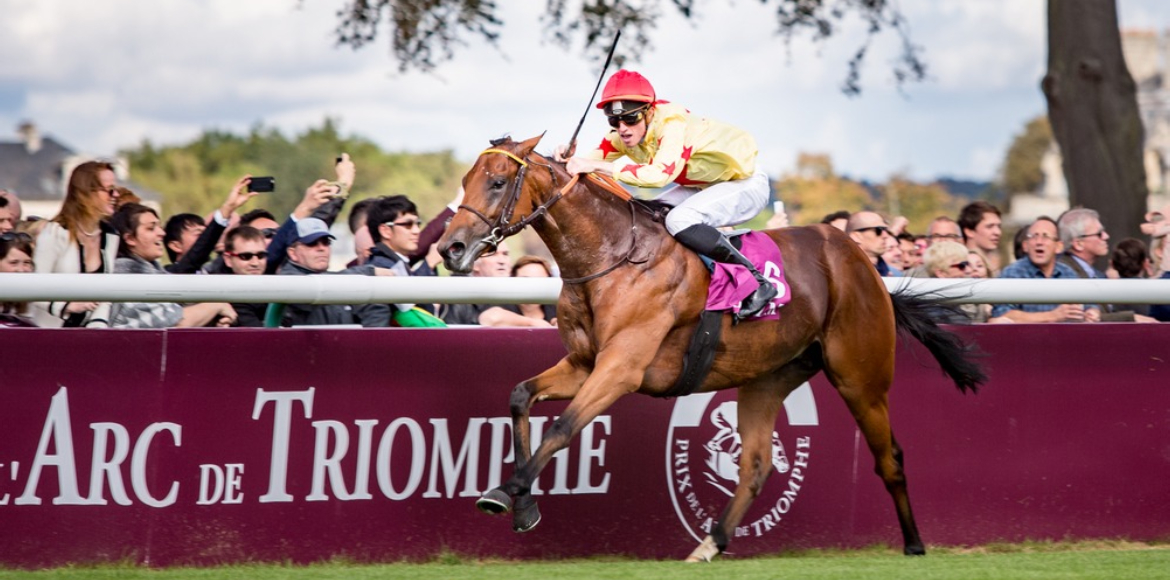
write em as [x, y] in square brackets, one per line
[100, 76]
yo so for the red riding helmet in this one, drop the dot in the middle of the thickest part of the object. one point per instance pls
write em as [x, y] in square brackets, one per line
[626, 85]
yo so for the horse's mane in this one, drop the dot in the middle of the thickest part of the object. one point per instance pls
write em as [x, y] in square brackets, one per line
[653, 210]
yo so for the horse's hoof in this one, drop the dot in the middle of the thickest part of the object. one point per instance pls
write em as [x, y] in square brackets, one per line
[917, 550]
[706, 551]
[526, 516]
[494, 502]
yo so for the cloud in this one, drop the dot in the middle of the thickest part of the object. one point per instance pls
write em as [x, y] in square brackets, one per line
[103, 76]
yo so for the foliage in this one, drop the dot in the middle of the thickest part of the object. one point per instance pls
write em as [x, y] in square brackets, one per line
[816, 191]
[197, 176]
[424, 33]
[1021, 166]
[919, 203]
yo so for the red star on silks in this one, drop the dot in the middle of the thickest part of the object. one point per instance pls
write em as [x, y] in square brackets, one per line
[682, 178]
[633, 169]
[687, 152]
[606, 148]
[668, 168]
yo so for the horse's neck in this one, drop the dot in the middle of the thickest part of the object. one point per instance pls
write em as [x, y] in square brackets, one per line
[591, 229]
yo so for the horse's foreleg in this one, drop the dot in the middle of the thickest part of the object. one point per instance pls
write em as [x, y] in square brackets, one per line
[612, 377]
[560, 382]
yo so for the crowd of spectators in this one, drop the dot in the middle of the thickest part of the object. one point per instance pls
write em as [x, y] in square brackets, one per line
[103, 228]
[1068, 247]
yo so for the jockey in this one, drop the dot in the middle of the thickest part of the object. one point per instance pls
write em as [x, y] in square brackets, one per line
[709, 166]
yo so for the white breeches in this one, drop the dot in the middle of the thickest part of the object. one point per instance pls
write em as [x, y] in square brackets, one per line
[723, 204]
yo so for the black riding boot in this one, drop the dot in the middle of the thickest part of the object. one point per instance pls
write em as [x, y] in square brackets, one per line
[707, 241]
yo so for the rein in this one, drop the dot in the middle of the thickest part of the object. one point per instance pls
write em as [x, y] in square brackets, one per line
[501, 229]
[628, 258]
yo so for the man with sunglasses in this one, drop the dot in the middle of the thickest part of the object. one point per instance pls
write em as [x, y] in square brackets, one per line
[710, 167]
[872, 234]
[246, 254]
[394, 227]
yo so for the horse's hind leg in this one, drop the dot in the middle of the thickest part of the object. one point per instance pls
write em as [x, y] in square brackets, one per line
[759, 403]
[865, 388]
[560, 382]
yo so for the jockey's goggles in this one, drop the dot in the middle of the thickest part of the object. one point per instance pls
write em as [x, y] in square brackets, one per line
[630, 119]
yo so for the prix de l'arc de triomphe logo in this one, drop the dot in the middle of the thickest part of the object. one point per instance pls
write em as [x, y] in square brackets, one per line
[702, 461]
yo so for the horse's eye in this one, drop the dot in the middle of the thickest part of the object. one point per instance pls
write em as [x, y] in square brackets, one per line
[499, 183]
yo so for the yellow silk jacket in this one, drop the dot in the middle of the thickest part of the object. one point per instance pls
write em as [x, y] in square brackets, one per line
[681, 148]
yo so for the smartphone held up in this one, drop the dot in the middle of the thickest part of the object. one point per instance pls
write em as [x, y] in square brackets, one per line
[262, 184]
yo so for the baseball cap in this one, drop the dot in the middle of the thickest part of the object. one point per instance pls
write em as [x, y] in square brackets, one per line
[311, 229]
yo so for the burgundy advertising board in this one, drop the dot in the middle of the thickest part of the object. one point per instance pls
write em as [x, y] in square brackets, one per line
[209, 446]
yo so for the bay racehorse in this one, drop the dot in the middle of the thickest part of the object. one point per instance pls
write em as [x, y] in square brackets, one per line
[632, 297]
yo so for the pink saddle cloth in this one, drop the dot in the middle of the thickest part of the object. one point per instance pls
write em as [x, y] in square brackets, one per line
[732, 283]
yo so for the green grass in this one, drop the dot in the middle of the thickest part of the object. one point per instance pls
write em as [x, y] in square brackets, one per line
[1028, 561]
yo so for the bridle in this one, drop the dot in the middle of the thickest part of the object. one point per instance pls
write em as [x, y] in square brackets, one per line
[500, 229]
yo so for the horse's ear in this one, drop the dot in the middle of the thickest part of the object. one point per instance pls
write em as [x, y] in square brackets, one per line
[528, 146]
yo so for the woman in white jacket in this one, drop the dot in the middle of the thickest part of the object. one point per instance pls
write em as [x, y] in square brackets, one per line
[79, 240]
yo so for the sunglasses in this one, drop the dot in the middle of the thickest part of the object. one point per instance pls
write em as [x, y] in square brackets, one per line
[962, 265]
[15, 236]
[269, 233]
[879, 230]
[409, 224]
[1100, 234]
[945, 237]
[249, 256]
[630, 119]
[320, 242]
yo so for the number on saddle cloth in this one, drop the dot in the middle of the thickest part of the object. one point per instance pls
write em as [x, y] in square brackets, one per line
[731, 283]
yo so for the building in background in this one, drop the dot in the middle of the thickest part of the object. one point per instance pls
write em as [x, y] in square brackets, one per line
[36, 167]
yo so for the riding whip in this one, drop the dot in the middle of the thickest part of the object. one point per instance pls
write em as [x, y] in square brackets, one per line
[573, 139]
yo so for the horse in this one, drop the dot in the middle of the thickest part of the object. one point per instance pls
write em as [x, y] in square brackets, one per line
[630, 302]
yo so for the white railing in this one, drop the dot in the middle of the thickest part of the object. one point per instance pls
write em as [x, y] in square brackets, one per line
[328, 289]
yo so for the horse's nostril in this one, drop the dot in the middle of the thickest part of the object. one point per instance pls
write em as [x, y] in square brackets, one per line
[455, 250]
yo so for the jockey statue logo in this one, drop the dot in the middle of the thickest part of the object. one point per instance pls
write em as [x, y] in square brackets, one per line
[724, 449]
[702, 460]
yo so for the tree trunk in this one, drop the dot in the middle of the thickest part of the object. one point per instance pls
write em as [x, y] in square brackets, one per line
[1092, 105]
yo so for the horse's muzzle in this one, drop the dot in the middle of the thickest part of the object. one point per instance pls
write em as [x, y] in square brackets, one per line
[457, 258]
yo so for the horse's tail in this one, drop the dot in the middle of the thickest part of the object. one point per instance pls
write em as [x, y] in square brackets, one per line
[916, 315]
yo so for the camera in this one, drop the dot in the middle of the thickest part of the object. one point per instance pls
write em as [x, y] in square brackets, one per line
[262, 184]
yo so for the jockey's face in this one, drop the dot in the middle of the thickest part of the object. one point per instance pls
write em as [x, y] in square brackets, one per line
[632, 135]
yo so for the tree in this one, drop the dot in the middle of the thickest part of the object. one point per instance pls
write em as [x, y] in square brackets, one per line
[424, 33]
[919, 203]
[1092, 104]
[196, 177]
[816, 191]
[1021, 166]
